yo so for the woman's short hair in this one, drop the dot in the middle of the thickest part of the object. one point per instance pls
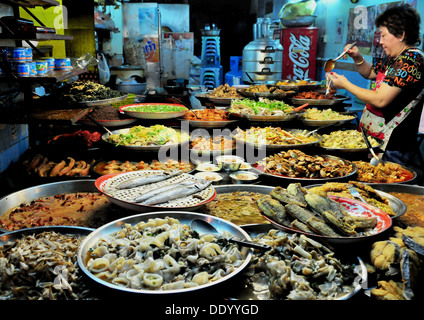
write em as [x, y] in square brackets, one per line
[399, 19]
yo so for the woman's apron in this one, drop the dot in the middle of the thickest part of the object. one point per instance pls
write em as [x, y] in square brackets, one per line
[373, 120]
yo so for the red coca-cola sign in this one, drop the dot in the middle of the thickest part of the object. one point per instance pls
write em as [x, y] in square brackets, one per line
[299, 52]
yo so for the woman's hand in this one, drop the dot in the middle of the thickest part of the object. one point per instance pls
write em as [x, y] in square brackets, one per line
[353, 52]
[338, 81]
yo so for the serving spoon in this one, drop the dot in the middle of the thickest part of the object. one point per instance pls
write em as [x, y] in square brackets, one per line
[330, 63]
[202, 226]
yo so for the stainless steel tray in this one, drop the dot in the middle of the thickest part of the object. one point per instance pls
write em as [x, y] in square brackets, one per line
[281, 146]
[185, 218]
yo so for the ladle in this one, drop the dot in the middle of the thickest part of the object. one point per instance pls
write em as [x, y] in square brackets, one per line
[202, 226]
[330, 63]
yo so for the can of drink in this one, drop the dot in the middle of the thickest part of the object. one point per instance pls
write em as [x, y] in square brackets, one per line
[28, 54]
[19, 54]
[62, 64]
[41, 67]
[22, 69]
[50, 63]
[32, 68]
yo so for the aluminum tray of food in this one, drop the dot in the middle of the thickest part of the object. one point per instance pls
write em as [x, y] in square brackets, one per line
[387, 202]
[154, 111]
[237, 203]
[259, 276]
[151, 190]
[336, 99]
[293, 166]
[103, 102]
[264, 110]
[71, 203]
[150, 139]
[208, 118]
[412, 196]
[347, 141]
[272, 92]
[276, 138]
[109, 123]
[216, 145]
[382, 173]
[335, 219]
[47, 253]
[171, 232]
[298, 85]
[102, 167]
[321, 117]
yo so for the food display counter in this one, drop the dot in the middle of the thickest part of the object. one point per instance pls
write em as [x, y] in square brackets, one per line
[263, 170]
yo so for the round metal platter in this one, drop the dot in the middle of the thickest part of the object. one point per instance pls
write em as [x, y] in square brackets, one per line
[221, 101]
[103, 102]
[252, 117]
[152, 115]
[217, 152]
[15, 199]
[94, 167]
[320, 123]
[209, 124]
[282, 146]
[395, 203]
[355, 208]
[106, 135]
[298, 87]
[347, 150]
[411, 172]
[109, 123]
[269, 95]
[16, 235]
[184, 218]
[311, 180]
[320, 102]
[124, 197]
[247, 293]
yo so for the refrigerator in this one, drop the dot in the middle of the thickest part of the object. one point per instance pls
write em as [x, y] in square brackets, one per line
[299, 52]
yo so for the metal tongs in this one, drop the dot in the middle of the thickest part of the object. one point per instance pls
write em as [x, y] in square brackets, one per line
[367, 142]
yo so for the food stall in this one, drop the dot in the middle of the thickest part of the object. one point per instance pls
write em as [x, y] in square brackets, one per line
[116, 181]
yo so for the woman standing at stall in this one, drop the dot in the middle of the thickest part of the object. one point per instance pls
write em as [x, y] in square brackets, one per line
[394, 106]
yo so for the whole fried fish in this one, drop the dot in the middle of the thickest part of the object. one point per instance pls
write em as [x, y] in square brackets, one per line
[177, 192]
[141, 181]
[293, 194]
[274, 209]
[146, 195]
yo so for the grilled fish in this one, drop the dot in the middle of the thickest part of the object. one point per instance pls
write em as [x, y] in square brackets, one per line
[296, 224]
[141, 181]
[339, 223]
[298, 212]
[295, 195]
[177, 192]
[321, 227]
[274, 209]
[322, 203]
[146, 195]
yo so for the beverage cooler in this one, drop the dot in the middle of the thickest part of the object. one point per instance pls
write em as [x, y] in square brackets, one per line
[299, 52]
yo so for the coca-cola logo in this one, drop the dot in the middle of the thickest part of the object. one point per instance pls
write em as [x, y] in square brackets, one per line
[299, 56]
